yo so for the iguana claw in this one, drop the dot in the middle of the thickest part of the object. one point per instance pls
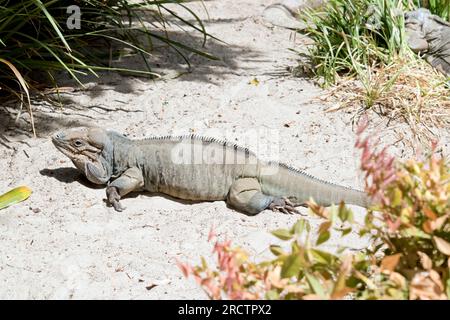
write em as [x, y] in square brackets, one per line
[283, 205]
[113, 198]
[118, 206]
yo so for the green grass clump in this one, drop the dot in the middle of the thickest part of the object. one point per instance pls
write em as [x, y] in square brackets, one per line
[35, 39]
[360, 47]
[351, 35]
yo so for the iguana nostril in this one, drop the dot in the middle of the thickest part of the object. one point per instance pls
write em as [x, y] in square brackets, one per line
[58, 135]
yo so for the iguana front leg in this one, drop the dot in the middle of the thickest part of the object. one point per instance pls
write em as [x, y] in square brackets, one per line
[129, 181]
[245, 194]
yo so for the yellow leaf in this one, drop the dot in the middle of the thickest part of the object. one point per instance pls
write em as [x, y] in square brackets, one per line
[397, 197]
[254, 82]
[14, 196]
[442, 245]
[405, 215]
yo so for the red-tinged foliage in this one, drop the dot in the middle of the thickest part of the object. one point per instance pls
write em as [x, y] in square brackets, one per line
[408, 226]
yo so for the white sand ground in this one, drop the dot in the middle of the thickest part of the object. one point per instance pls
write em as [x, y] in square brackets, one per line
[64, 243]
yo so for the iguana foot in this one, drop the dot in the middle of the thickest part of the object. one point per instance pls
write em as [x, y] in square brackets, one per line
[113, 198]
[284, 205]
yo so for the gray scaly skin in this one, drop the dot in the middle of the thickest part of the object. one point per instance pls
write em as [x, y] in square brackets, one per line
[430, 35]
[194, 168]
[285, 13]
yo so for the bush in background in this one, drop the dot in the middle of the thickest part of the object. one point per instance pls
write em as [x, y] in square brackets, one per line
[361, 48]
[349, 36]
[408, 227]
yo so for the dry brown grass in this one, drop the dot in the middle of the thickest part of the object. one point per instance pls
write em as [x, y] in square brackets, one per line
[408, 91]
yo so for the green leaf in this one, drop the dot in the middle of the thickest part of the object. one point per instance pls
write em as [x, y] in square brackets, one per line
[415, 232]
[368, 220]
[315, 285]
[353, 282]
[308, 227]
[14, 196]
[291, 266]
[345, 214]
[350, 217]
[323, 237]
[282, 234]
[333, 213]
[299, 227]
[363, 232]
[322, 256]
[276, 250]
[346, 231]
[272, 295]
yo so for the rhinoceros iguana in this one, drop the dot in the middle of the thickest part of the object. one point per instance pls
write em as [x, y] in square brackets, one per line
[194, 168]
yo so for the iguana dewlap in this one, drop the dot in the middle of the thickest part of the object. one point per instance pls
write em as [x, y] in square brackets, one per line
[194, 168]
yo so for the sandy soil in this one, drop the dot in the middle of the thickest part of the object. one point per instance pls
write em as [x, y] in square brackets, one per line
[65, 243]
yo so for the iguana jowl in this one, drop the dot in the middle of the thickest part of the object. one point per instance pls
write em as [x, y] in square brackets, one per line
[194, 168]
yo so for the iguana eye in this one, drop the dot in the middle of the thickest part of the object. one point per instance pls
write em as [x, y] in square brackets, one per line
[78, 143]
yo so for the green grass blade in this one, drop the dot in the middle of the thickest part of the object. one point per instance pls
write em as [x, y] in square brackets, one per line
[53, 23]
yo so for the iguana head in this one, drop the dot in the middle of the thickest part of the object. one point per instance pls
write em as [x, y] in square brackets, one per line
[90, 149]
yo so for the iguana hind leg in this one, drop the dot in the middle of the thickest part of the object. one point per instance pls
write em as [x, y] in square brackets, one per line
[129, 181]
[245, 194]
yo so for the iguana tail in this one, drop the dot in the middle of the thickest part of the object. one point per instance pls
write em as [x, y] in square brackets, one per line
[300, 187]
